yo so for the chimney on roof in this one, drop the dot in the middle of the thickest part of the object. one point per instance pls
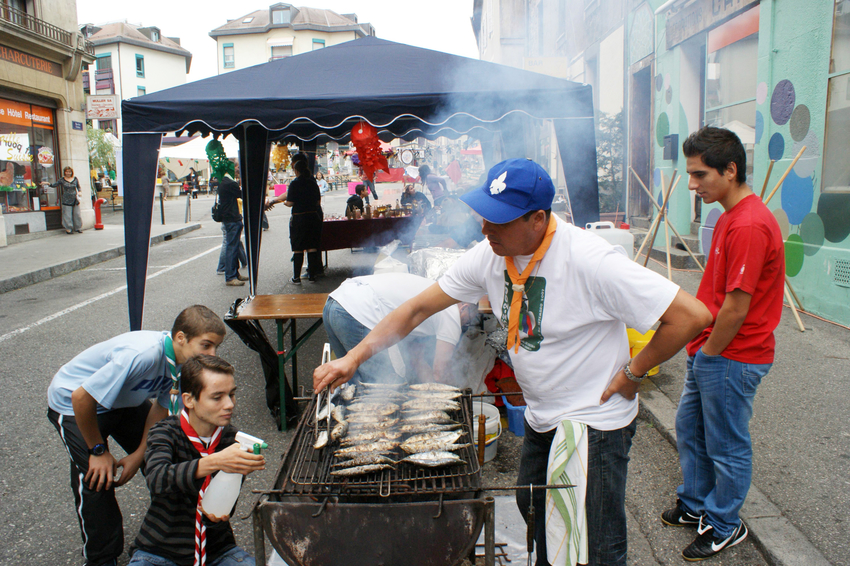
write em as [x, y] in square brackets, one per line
[352, 17]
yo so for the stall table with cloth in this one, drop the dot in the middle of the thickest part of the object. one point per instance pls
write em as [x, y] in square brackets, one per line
[285, 310]
[366, 232]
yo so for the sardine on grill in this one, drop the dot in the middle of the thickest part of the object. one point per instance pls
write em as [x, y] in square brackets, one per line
[434, 459]
[439, 417]
[339, 430]
[378, 386]
[417, 428]
[433, 386]
[338, 414]
[367, 417]
[346, 391]
[448, 435]
[430, 405]
[444, 395]
[378, 446]
[364, 460]
[371, 436]
[361, 470]
[357, 426]
[383, 409]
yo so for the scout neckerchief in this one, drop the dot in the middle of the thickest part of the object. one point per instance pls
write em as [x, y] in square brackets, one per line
[171, 362]
[200, 529]
[518, 283]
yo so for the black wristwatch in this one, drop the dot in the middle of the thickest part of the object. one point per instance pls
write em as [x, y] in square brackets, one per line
[632, 377]
[98, 450]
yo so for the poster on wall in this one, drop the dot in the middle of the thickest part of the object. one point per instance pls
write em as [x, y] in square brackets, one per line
[103, 107]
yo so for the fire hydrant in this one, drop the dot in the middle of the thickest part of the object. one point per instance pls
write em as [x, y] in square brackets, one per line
[98, 225]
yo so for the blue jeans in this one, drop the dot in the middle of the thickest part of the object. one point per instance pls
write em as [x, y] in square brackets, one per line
[607, 468]
[222, 257]
[233, 244]
[713, 437]
[233, 557]
[344, 333]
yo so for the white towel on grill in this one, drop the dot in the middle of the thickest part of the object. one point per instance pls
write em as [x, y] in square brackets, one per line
[566, 519]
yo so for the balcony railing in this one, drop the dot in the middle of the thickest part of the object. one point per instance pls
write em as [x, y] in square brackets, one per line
[35, 25]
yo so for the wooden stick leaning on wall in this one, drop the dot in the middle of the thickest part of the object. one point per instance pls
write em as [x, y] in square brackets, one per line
[670, 189]
[666, 232]
[651, 228]
[672, 227]
[767, 178]
[782, 179]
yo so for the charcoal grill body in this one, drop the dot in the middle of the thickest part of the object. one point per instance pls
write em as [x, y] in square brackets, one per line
[407, 516]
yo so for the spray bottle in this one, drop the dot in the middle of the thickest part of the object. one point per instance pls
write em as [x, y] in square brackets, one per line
[221, 494]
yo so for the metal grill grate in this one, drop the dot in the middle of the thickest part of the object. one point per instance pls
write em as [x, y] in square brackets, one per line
[306, 471]
[841, 273]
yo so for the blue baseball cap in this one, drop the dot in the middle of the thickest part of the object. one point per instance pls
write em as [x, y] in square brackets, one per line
[513, 187]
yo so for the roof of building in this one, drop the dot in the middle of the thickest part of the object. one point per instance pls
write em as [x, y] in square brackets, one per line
[122, 32]
[303, 18]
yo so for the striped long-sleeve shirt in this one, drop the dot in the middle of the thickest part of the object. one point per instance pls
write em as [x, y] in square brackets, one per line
[169, 526]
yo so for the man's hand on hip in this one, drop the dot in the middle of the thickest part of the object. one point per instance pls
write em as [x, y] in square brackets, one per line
[622, 385]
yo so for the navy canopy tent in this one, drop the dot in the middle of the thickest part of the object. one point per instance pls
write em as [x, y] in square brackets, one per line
[405, 92]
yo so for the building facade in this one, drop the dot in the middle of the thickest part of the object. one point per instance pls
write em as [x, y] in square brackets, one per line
[42, 118]
[132, 61]
[282, 30]
[776, 72]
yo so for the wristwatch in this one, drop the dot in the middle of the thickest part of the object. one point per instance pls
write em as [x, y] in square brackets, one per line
[98, 450]
[631, 376]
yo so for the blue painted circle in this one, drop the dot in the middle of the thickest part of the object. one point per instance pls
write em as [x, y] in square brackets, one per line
[759, 126]
[712, 217]
[798, 194]
[776, 146]
[656, 177]
[782, 102]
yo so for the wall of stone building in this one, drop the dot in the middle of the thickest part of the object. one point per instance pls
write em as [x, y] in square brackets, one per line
[60, 13]
[254, 49]
[794, 45]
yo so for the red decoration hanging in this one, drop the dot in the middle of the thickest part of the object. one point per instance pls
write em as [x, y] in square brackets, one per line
[365, 138]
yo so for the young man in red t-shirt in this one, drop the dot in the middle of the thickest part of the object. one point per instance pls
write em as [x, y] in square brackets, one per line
[742, 287]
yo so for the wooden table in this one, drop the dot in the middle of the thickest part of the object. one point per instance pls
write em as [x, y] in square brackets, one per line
[285, 309]
[368, 232]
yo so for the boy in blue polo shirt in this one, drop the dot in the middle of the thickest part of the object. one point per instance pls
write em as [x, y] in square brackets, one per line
[105, 391]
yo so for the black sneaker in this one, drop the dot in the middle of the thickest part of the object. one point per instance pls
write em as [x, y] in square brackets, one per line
[707, 544]
[295, 280]
[678, 517]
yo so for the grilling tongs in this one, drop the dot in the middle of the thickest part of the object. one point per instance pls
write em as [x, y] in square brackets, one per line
[326, 357]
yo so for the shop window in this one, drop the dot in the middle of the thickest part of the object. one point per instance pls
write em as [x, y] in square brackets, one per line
[27, 158]
[229, 56]
[281, 51]
[155, 36]
[141, 91]
[318, 44]
[836, 167]
[731, 78]
[140, 66]
[281, 16]
[104, 62]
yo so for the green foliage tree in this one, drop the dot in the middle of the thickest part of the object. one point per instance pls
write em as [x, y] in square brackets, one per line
[101, 150]
[610, 140]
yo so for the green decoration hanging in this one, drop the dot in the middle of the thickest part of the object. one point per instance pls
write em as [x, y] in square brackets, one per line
[219, 163]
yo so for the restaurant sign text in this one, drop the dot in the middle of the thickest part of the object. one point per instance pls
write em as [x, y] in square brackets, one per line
[700, 16]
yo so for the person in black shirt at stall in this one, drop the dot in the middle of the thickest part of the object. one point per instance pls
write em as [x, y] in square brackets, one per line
[305, 224]
[356, 200]
[419, 201]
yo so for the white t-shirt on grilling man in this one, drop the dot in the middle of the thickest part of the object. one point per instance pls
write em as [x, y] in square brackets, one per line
[577, 304]
[372, 297]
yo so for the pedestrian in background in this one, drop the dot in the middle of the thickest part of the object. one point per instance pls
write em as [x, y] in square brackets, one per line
[231, 222]
[69, 187]
[742, 287]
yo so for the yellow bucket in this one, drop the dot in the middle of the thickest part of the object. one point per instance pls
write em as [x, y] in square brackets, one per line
[637, 342]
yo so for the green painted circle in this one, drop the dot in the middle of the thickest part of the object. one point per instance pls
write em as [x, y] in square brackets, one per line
[662, 128]
[794, 255]
[811, 230]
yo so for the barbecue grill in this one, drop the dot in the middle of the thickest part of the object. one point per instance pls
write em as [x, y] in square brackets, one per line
[406, 515]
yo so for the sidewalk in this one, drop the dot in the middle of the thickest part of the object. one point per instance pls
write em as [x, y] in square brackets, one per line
[56, 254]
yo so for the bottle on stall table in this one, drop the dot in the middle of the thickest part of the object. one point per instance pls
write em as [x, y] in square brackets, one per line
[221, 494]
[368, 213]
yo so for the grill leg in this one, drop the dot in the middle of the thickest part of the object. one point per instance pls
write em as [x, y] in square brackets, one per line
[490, 532]
[259, 539]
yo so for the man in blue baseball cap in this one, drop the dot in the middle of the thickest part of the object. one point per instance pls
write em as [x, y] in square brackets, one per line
[565, 297]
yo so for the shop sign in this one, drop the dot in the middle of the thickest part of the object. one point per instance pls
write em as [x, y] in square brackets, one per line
[25, 114]
[77, 125]
[15, 147]
[103, 107]
[30, 61]
[700, 16]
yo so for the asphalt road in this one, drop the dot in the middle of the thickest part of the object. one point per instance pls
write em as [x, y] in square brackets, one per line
[52, 321]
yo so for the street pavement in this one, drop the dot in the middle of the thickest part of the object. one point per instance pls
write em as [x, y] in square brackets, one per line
[800, 433]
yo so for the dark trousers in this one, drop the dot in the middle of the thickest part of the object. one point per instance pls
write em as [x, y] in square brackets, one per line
[607, 468]
[98, 512]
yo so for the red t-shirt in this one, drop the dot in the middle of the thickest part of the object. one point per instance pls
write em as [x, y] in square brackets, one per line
[747, 253]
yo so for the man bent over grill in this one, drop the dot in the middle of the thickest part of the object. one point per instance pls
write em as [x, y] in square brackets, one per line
[566, 297]
[183, 452]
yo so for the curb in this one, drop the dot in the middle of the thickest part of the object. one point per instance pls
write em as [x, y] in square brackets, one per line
[775, 536]
[47, 273]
